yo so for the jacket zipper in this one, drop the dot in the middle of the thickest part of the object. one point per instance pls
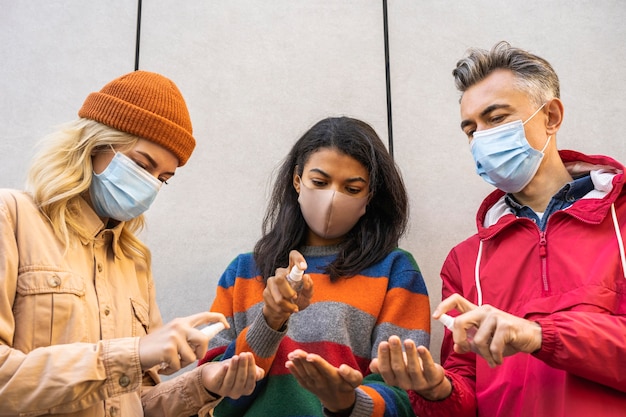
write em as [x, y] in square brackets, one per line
[543, 252]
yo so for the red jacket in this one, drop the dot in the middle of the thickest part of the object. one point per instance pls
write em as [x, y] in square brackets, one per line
[571, 279]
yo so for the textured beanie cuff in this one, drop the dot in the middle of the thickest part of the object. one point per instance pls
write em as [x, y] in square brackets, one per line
[146, 105]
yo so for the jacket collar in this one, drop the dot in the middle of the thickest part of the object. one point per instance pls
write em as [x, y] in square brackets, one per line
[95, 226]
[607, 175]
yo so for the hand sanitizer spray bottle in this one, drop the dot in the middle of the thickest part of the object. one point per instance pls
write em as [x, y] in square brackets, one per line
[294, 277]
[448, 321]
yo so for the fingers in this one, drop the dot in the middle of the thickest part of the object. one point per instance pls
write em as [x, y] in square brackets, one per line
[309, 369]
[280, 293]
[394, 364]
[490, 332]
[296, 258]
[178, 343]
[352, 376]
[205, 317]
[232, 377]
[280, 300]
[241, 376]
[430, 371]
[334, 387]
[454, 302]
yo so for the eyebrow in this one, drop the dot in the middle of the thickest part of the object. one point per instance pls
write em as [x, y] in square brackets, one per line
[485, 112]
[153, 162]
[353, 179]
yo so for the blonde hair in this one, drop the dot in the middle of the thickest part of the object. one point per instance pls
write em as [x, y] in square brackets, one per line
[62, 170]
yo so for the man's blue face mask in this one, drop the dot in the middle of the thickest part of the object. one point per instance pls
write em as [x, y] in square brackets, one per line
[123, 190]
[503, 156]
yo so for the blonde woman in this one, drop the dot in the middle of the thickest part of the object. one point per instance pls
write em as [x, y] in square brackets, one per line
[80, 331]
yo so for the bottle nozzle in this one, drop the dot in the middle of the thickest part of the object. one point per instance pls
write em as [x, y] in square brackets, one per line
[213, 329]
[295, 278]
[447, 321]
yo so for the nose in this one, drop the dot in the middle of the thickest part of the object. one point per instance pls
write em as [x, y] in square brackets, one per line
[481, 126]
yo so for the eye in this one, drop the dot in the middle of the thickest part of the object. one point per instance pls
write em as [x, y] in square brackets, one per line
[497, 119]
[318, 183]
[140, 164]
[353, 190]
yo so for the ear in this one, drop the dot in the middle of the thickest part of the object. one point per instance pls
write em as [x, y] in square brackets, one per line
[296, 180]
[554, 109]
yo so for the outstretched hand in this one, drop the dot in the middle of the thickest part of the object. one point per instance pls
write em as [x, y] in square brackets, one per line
[232, 377]
[413, 369]
[335, 387]
[498, 334]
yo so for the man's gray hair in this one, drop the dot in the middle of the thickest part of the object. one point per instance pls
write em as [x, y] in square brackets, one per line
[535, 76]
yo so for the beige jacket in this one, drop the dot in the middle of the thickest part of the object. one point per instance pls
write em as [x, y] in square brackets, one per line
[70, 324]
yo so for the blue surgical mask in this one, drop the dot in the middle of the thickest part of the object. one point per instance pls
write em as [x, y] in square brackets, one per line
[123, 190]
[503, 156]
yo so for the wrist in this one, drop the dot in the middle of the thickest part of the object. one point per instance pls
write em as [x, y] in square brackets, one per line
[538, 338]
[209, 379]
[275, 322]
[439, 392]
[339, 413]
[343, 405]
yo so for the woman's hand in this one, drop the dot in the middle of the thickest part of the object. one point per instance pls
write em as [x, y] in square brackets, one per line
[177, 343]
[232, 377]
[333, 386]
[281, 301]
[413, 369]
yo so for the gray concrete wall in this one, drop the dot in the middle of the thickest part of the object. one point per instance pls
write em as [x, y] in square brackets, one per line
[257, 74]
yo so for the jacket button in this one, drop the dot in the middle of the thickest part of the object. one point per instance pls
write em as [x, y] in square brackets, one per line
[54, 281]
[124, 381]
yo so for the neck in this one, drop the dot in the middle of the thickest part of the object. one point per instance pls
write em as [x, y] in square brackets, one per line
[550, 178]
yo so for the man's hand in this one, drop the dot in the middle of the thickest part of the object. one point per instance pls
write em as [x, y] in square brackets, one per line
[498, 334]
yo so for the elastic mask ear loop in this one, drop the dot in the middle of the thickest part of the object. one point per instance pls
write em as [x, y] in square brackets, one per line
[533, 115]
[546, 145]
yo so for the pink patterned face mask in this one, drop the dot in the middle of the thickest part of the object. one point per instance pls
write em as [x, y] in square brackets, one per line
[330, 214]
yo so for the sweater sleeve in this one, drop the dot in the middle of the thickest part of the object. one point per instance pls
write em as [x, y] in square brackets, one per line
[459, 369]
[240, 298]
[239, 294]
[405, 313]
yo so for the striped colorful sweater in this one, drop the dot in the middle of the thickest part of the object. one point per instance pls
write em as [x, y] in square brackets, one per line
[344, 323]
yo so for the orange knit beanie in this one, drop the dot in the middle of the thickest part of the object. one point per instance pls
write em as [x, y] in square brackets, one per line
[146, 105]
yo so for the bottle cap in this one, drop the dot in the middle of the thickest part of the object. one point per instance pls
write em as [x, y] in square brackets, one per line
[447, 321]
[296, 273]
